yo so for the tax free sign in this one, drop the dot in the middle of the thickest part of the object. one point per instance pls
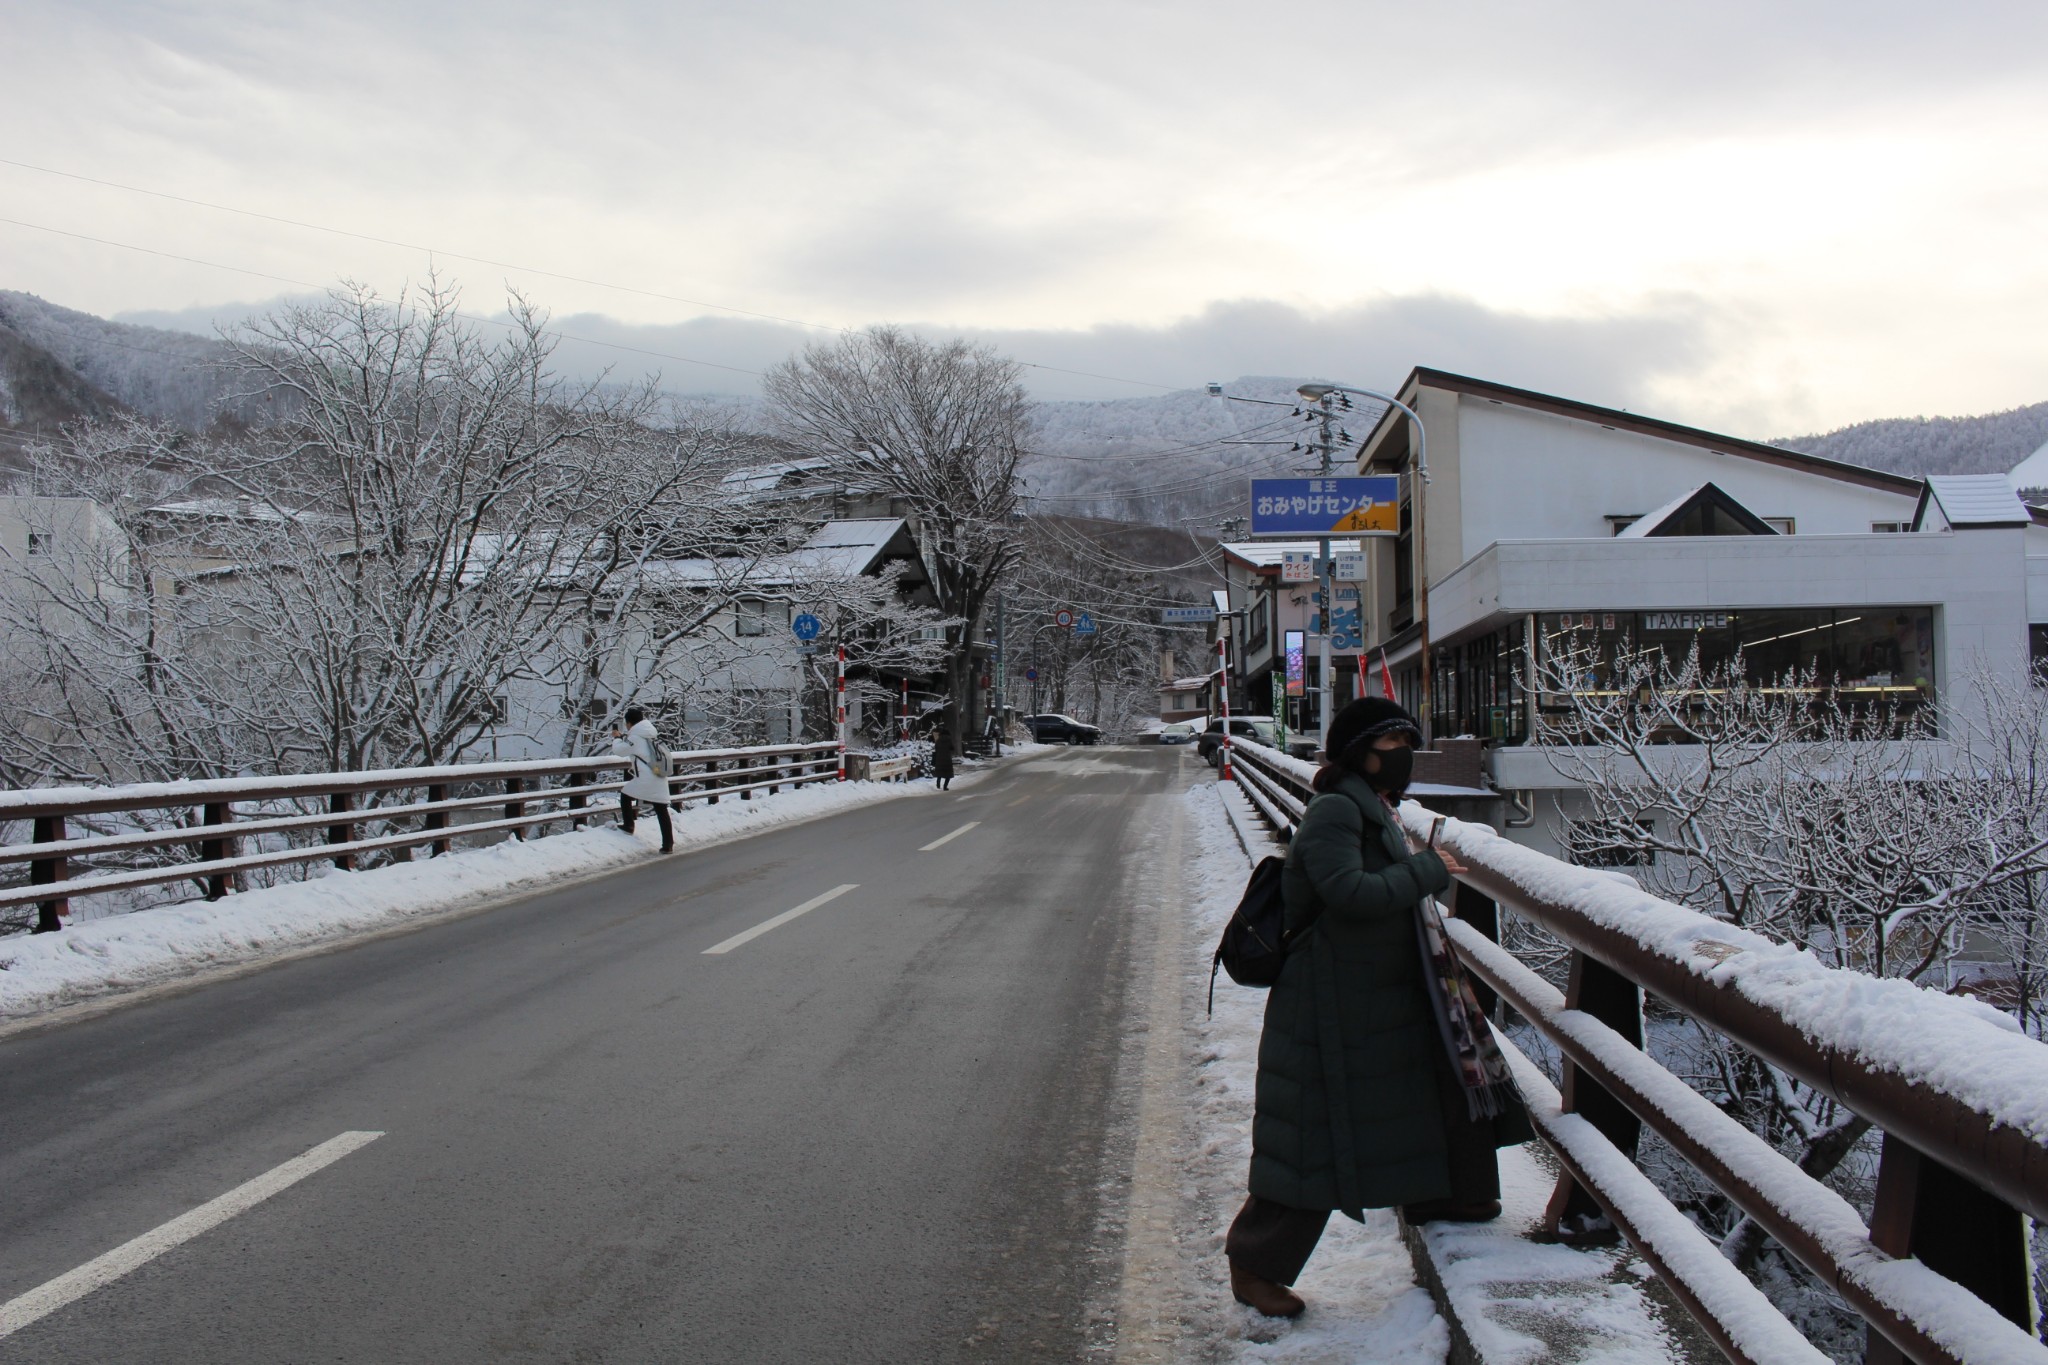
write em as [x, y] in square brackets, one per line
[1301, 508]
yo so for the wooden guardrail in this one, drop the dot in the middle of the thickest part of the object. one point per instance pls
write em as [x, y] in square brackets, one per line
[335, 809]
[1941, 1271]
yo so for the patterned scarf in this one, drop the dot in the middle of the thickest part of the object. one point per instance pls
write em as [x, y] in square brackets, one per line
[1467, 1037]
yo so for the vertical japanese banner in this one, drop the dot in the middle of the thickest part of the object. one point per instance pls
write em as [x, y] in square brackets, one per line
[1296, 670]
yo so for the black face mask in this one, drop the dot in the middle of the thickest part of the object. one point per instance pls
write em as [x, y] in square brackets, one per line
[1396, 766]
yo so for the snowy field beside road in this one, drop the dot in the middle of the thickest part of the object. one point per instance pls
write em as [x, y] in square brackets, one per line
[117, 953]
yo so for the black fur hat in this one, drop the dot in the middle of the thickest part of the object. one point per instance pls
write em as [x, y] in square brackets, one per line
[1365, 720]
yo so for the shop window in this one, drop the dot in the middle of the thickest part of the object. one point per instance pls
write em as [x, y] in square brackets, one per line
[1878, 660]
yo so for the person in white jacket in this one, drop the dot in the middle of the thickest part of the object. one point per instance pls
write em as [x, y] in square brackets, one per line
[642, 743]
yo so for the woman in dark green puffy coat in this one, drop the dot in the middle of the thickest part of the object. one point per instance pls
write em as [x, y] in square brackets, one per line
[1358, 1106]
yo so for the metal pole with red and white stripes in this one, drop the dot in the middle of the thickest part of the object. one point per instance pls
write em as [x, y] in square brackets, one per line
[1223, 689]
[903, 720]
[840, 719]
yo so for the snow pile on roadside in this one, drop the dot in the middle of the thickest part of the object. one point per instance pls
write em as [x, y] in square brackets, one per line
[123, 952]
[1364, 1303]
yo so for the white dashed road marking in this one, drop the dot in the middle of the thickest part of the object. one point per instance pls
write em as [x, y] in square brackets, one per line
[778, 921]
[102, 1271]
[947, 839]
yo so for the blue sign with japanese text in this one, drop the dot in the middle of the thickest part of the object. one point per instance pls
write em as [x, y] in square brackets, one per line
[1299, 508]
[807, 627]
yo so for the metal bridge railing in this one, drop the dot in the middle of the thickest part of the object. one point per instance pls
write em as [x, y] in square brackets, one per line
[408, 808]
[1941, 1273]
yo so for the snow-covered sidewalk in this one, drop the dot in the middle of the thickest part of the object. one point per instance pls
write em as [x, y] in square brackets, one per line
[1364, 1302]
[121, 953]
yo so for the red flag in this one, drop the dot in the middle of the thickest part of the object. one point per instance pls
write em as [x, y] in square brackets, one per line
[1386, 678]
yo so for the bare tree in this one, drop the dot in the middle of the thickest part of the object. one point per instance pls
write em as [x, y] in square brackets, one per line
[1864, 836]
[942, 426]
[418, 521]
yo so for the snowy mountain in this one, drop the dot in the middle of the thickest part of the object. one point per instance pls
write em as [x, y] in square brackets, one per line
[1991, 444]
[172, 376]
[1174, 459]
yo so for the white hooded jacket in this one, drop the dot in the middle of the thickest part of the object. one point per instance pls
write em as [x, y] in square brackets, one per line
[642, 744]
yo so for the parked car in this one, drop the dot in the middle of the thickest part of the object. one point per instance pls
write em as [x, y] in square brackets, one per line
[1180, 732]
[1258, 729]
[1053, 728]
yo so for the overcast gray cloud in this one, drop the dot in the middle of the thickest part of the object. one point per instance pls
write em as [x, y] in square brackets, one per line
[1788, 214]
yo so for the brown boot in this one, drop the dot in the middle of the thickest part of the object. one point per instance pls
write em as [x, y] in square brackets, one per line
[1274, 1300]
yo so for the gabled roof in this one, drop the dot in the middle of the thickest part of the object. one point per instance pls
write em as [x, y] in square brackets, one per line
[838, 549]
[1973, 500]
[1671, 518]
[1645, 426]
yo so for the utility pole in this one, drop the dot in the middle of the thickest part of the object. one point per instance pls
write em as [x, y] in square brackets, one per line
[1000, 679]
[1325, 446]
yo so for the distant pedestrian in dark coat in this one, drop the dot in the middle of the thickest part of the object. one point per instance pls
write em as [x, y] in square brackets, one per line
[942, 757]
[1358, 1105]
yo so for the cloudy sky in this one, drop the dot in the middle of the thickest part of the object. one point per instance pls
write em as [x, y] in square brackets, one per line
[1764, 217]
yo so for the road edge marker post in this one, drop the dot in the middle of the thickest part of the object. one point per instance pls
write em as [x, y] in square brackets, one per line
[841, 710]
[1223, 692]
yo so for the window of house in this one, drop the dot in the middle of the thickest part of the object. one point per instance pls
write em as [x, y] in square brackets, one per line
[1784, 526]
[752, 616]
[1891, 526]
[1617, 523]
[2037, 651]
[39, 542]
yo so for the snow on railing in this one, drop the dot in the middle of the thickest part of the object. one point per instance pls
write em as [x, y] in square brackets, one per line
[218, 832]
[1961, 1096]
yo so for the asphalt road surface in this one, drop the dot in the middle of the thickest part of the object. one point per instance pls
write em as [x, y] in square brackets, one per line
[884, 1129]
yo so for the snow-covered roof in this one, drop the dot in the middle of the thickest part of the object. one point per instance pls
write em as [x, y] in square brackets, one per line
[764, 478]
[236, 509]
[1266, 554]
[850, 547]
[1978, 500]
[1711, 494]
[2031, 472]
[1650, 521]
[838, 549]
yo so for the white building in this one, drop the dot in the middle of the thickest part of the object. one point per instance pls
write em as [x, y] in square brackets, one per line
[1542, 515]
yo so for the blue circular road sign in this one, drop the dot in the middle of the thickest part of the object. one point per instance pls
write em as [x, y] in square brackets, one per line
[1030, 675]
[807, 627]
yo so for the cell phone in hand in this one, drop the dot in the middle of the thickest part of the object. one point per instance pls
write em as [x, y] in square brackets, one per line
[1436, 827]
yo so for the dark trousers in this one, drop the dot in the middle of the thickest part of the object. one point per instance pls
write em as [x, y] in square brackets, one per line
[661, 817]
[1273, 1241]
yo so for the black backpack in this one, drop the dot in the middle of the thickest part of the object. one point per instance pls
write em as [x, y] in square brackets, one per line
[1255, 942]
